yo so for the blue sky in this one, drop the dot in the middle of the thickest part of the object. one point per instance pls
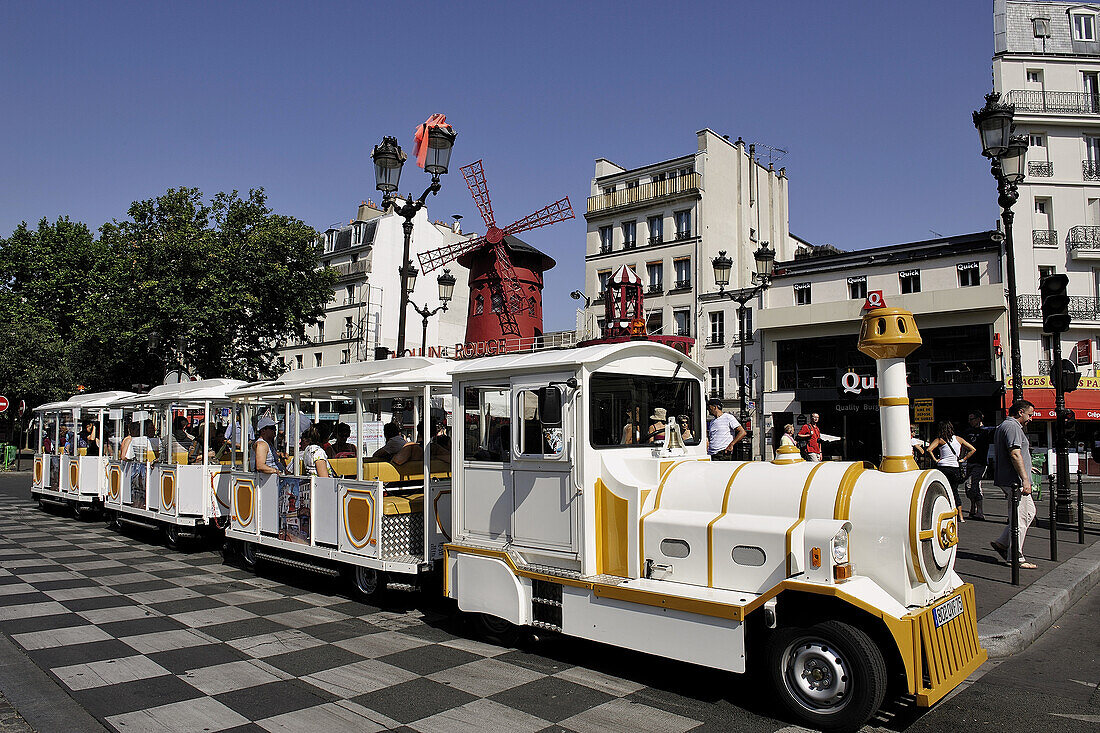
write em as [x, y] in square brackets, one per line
[105, 103]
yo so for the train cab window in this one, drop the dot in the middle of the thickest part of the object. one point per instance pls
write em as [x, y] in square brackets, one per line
[487, 424]
[629, 410]
[540, 428]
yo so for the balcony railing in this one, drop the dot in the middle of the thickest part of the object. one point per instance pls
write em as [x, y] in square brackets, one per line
[656, 239]
[1044, 366]
[630, 245]
[1081, 307]
[686, 234]
[681, 285]
[1040, 169]
[717, 394]
[683, 332]
[655, 289]
[1044, 237]
[347, 269]
[1083, 237]
[1090, 170]
[646, 192]
[605, 248]
[713, 343]
[1063, 103]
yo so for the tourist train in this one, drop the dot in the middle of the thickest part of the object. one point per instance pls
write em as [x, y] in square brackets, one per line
[550, 506]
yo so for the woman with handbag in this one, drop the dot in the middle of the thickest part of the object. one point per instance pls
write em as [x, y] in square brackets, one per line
[952, 452]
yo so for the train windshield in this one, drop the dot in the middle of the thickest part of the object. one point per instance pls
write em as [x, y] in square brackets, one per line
[630, 410]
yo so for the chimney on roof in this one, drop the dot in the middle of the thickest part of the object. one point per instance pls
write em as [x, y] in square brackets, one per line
[456, 226]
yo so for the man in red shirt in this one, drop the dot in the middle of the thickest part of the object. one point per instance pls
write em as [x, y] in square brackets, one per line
[812, 433]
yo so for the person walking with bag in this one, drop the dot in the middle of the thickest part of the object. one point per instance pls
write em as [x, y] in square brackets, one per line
[1011, 473]
[950, 457]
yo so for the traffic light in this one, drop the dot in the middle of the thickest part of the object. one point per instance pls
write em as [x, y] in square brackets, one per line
[1070, 376]
[1069, 423]
[1055, 303]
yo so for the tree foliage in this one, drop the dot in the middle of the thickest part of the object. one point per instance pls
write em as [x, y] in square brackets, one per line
[227, 280]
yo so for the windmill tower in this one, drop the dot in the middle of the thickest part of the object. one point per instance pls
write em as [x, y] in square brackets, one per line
[505, 272]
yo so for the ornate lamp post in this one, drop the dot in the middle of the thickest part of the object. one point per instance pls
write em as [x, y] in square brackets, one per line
[438, 138]
[1006, 155]
[1006, 162]
[765, 267]
[446, 283]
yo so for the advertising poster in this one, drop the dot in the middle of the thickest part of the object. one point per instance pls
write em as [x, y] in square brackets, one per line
[55, 473]
[138, 477]
[294, 509]
[372, 437]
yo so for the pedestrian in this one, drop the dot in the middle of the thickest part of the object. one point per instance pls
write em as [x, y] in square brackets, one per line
[723, 432]
[1012, 472]
[981, 437]
[919, 446]
[952, 455]
[811, 433]
[788, 435]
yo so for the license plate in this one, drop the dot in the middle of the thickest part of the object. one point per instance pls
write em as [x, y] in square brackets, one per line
[949, 609]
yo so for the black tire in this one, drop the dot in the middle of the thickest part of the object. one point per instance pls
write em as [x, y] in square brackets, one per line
[496, 630]
[172, 536]
[248, 556]
[111, 520]
[828, 676]
[367, 583]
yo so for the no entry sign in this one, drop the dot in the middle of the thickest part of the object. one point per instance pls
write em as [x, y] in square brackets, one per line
[3, 404]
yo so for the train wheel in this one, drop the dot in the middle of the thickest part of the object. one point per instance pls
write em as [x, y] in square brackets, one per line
[368, 583]
[496, 630]
[111, 520]
[172, 536]
[829, 676]
[248, 555]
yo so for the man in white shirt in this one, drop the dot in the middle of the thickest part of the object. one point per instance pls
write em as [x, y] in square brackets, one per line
[723, 432]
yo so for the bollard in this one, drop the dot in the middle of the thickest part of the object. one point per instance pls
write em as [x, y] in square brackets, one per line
[1053, 521]
[1080, 511]
[1014, 524]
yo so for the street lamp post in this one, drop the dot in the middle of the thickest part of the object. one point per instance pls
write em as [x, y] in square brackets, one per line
[1006, 154]
[765, 267]
[446, 283]
[388, 160]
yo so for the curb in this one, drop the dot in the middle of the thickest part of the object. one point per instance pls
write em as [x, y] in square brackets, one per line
[42, 703]
[1012, 627]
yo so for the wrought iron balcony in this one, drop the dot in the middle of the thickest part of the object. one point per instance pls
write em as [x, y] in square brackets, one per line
[1081, 307]
[1090, 170]
[605, 249]
[713, 343]
[683, 332]
[686, 234]
[1083, 237]
[1040, 169]
[645, 192]
[656, 239]
[681, 285]
[1044, 237]
[655, 289]
[1059, 103]
[1044, 366]
[718, 394]
[351, 269]
[630, 244]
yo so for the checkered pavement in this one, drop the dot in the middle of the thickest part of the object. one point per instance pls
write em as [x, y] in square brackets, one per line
[148, 639]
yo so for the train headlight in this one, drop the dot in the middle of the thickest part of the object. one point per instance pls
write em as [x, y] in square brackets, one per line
[840, 547]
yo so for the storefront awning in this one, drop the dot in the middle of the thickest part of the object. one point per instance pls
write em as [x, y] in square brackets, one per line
[1084, 401]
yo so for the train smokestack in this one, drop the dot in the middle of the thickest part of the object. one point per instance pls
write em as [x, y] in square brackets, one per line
[888, 335]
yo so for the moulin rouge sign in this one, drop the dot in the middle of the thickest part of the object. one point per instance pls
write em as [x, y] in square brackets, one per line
[467, 350]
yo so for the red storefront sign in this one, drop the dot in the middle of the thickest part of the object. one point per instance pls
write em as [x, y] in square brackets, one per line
[1084, 352]
[1085, 403]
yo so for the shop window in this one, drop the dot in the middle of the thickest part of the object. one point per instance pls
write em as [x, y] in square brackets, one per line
[969, 275]
[857, 287]
[910, 281]
[802, 294]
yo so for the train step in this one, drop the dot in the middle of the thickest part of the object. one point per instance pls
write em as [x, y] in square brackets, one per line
[291, 562]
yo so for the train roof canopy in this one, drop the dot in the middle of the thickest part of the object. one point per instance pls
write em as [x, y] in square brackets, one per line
[593, 358]
[199, 390]
[383, 375]
[91, 401]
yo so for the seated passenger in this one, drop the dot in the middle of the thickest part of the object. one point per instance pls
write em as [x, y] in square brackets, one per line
[414, 452]
[657, 425]
[136, 447]
[395, 441]
[265, 459]
[313, 455]
[180, 435]
[341, 448]
[88, 440]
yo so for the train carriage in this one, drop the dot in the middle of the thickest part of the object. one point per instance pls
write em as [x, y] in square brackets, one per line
[176, 481]
[380, 522]
[70, 474]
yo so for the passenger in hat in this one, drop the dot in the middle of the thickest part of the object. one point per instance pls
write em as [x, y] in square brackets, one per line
[266, 458]
[657, 425]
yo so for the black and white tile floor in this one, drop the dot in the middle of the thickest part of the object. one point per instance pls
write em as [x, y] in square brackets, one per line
[148, 639]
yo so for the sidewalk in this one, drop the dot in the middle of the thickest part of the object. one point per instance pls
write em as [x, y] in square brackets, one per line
[1011, 617]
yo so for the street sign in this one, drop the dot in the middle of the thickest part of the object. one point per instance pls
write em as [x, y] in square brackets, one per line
[922, 409]
[22, 407]
[3, 404]
[874, 300]
[750, 405]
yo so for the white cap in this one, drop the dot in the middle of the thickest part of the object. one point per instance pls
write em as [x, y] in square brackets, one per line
[265, 422]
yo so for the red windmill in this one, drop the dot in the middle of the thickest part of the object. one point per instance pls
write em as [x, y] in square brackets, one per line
[493, 261]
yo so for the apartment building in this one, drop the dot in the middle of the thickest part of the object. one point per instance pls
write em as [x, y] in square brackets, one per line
[668, 220]
[363, 313]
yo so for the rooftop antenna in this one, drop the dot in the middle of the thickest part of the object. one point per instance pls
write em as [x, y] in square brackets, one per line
[772, 154]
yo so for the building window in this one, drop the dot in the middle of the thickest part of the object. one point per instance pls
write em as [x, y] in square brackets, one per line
[1041, 27]
[349, 295]
[479, 304]
[655, 321]
[317, 359]
[682, 318]
[801, 293]
[1084, 28]
[603, 276]
[632, 184]
[630, 232]
[686, 171]
[1034, 76]
[655, 271]
[968, 274]
[605, 239]
[347, 327]
[717, 382]
[496, 299]
[1048, 346]
[1037, 140]
[683, 224]
[857, 287]
[717, 328]
[282, 363]
[298, 361]
[910, 281]
[345, 356]
[683, 273]
[320, 332]
[1046, 271]
[656, 229]
[746, 324]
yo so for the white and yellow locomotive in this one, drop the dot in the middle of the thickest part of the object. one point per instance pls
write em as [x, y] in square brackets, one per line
[836, 577]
